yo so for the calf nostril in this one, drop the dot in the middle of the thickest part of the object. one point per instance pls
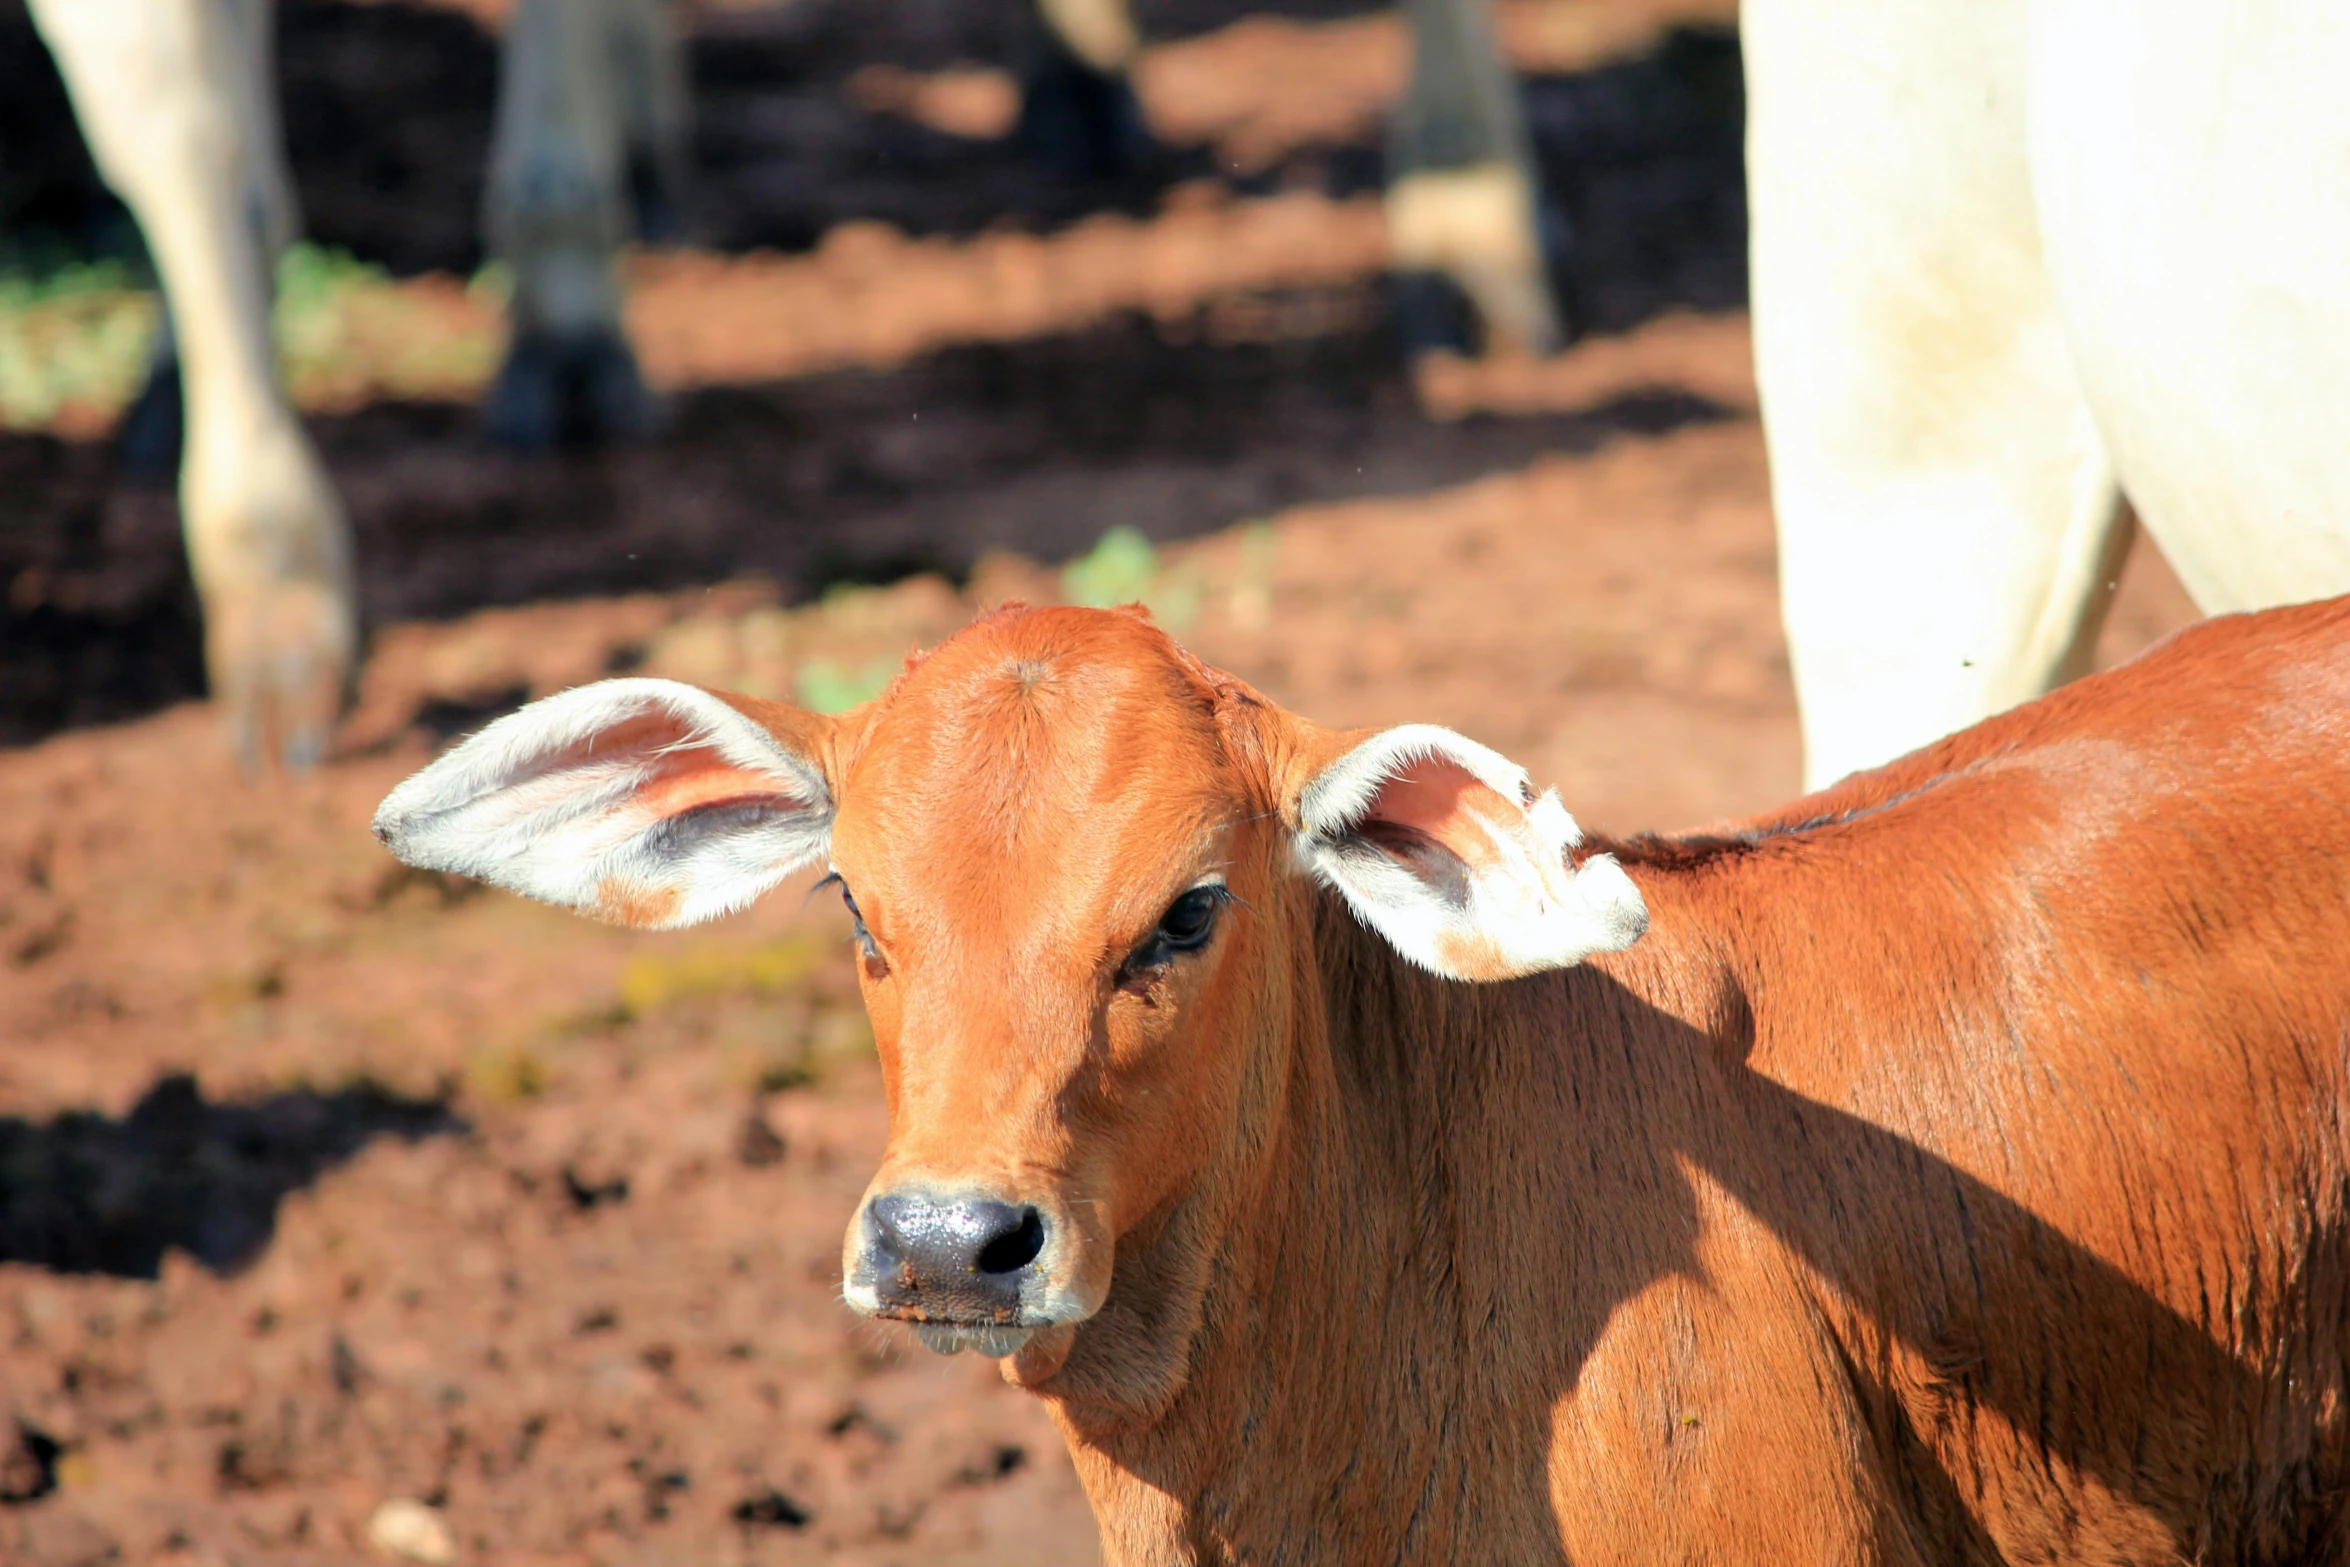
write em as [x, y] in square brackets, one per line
[929, 1244]
[1014, 1249]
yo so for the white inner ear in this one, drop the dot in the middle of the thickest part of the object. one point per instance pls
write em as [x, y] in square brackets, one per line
[643, 802]
[1478, 889]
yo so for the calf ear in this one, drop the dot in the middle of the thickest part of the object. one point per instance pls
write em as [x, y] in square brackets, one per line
[641, 802]
[1443, 847]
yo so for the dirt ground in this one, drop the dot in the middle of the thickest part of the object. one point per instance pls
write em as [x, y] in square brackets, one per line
[325, 1184]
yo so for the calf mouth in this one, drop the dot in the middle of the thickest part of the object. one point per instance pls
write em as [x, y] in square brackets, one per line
[992, 1333]
[953, 1338]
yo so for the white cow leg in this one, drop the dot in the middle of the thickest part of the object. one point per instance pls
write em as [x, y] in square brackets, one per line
[1464, 202]
[149, 439]
[555, 213]
[1079, 115]
[2192, 166]
[155, 85]
[1948, 519]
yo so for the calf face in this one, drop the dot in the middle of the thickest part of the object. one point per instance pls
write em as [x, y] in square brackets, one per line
[1080, 866]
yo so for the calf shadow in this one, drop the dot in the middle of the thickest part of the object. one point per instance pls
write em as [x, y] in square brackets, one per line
[84, 1193]
[1992, 1362]
[1992, 1307]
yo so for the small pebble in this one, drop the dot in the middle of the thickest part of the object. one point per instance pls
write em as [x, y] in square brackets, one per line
[409, 1529]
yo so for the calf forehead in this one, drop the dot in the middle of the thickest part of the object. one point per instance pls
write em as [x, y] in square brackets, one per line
[1046, 761]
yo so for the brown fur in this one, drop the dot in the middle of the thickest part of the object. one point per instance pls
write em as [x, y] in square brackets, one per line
[1956, 1171]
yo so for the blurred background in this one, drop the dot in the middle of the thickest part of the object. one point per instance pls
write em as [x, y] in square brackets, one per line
[347, 1211]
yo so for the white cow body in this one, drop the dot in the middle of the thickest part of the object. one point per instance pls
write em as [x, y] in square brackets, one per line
[2007, 255]
[2193, 167]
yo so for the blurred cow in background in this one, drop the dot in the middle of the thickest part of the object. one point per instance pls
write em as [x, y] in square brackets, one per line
[591, 122]
[176, 99]
[590, 142]
[2011, 258]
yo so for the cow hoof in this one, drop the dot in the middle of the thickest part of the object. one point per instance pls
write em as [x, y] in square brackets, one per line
[1082, 124]
[1479, 314]
[1515, 308]
[1497, 245]
[280, 656]
[147, 443]
[570, 391]
[1432, 316]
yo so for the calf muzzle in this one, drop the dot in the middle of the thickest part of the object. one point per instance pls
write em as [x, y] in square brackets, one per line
[955, 1268]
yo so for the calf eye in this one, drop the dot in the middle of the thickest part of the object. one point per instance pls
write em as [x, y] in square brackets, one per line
[1191, 919]
[1187, 926]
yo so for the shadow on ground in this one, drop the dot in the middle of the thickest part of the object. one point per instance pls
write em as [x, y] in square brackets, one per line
[1034, 446]
[87, 1194]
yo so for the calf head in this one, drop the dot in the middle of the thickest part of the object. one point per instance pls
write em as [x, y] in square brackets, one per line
[1081, 867]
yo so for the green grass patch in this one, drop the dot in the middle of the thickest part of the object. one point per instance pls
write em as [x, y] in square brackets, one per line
[75, 338]
[508, 1074]
[1124, 568]
[653, 980]
[824, 685]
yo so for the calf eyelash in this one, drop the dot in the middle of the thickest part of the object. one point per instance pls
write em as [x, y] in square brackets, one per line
[865, 943]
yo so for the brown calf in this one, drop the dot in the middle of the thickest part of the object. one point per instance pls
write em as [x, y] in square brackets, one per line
[1956, 1171]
